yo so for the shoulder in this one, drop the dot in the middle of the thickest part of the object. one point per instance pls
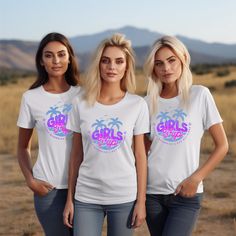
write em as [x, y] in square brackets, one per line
[201, 94]
[76, 88]
[79, 95]
[136, 102]
[147, 99]
[199, 89]
[135, 98]
[31, 92]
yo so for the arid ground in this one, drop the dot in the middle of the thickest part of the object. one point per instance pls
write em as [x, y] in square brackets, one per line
[217, 215]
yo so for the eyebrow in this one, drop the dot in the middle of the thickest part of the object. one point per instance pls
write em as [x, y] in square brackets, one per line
[166, 58]
[118, 58]
[56, 52]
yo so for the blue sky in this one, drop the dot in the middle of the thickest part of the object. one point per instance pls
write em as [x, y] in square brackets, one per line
[208, 20]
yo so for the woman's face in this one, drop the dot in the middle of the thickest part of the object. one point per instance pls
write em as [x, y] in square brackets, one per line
[112, 65]
[55, 59]
[167, 66]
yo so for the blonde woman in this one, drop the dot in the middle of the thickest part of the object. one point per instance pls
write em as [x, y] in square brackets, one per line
[107, 174]
[180, 113]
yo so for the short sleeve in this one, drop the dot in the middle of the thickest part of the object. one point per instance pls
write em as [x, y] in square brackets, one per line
[73, 122]
[211, 115]
[142, 122]
[25, 118]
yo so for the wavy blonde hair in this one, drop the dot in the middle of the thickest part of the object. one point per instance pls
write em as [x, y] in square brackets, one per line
[154, 84]
[93, 82]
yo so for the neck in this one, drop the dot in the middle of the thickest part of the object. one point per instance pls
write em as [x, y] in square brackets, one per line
[169, 90]
[56, 85]
[111, 94]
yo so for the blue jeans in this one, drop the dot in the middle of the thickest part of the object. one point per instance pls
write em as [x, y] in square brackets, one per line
[170, 215]
[49, 210]
[88, 219]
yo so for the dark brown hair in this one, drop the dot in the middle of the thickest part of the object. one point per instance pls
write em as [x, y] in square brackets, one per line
[72, 73]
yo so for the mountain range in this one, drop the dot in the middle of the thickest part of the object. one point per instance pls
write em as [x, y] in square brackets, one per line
[19, 54]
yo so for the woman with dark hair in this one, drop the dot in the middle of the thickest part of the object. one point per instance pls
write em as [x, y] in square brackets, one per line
[46, 106]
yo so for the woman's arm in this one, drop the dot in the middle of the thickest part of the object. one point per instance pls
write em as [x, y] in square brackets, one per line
[147, 143]
[76, 158]
[139, 213]
[189, 186]
[24, 158]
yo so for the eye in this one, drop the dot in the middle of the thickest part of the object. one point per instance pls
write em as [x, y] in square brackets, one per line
[62, 54]
[158, 63]
[105, 60]
[120, 61]
[172, 60]
[48, 55]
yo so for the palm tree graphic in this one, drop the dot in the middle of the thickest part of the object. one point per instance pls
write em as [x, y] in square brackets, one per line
[99, 124]
[67, 108]
[53, 111]
[115, 122]
[163, 116]
[179, 113]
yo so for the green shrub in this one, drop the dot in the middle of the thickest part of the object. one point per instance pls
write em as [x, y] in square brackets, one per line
[222, 73]
[201, 69]
[11, 75]
[231, 83]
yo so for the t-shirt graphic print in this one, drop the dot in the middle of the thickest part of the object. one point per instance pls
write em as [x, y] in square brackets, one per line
[172, 126]
[56, 119]
[107, 134]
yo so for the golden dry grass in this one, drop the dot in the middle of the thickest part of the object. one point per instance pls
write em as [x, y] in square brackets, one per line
[10, 97]
[219, 205]
[225, 99]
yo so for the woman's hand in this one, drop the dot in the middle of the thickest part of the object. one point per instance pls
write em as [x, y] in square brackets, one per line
[68, 214]
[40, 187]
[139, 215]
[188, 187]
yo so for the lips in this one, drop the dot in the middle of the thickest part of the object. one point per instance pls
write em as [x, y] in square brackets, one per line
[111, 74]
[56, 68]
[167, 75]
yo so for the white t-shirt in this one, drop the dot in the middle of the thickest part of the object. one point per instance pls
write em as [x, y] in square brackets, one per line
[48, 112]
[176, 135]
[107, 174]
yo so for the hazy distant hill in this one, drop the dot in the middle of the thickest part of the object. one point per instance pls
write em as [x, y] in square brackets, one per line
[20, 54]
[144, 37]
[215, 49]
[139, 37]
[17, 54]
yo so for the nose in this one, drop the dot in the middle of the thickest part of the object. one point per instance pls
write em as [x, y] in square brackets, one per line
[112, 65]
[166, 67]
[56, 59]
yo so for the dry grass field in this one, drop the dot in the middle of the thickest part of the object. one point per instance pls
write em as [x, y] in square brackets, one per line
[218, 212]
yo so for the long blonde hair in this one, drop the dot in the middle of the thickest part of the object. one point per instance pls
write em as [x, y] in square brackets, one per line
[155, 86]
[93, 81]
